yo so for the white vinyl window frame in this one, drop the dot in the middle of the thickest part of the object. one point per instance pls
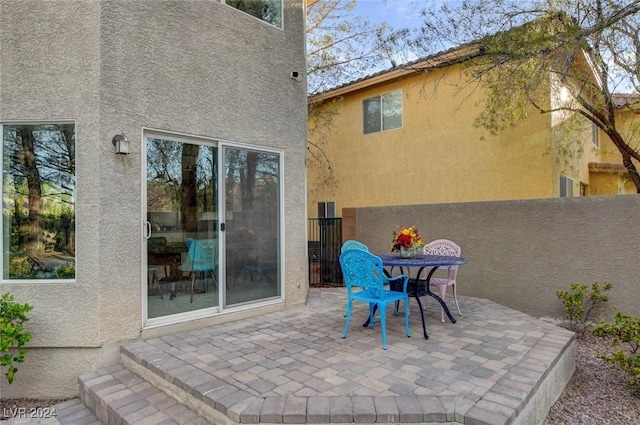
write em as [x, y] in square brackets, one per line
[5, 255]
[382, 113]
[150, 323]
[326, 209]
[566, 186]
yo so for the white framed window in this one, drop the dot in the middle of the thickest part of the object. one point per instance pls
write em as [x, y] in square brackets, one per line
[326, 209]
[566, 186]
[269, 11]
[380, 113]
[38, 191]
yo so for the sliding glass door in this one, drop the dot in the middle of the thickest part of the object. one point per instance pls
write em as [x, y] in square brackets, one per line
[212, 229]
[252, 194]
[182, 225]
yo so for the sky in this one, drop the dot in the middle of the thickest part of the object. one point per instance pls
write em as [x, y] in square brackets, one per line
[397, 13]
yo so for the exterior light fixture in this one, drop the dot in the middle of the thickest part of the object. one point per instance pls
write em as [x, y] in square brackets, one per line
[121, 143]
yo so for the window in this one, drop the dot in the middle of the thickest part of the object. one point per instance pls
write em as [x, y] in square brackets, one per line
[382, 113]
[269, 11]
[595, 135]
[584, 189]
[566, 186]
[326, 209]
[38, 190]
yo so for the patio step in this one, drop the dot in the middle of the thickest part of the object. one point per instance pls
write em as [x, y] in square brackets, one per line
[117, 396]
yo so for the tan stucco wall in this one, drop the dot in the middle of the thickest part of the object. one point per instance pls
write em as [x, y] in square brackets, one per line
[437, 156]
[521, 252]
[612, 181]
[200, 68]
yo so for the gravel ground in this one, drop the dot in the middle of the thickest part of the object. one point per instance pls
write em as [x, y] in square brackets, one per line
[596, 394]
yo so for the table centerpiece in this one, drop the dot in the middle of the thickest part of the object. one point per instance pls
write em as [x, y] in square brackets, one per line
[407, 242]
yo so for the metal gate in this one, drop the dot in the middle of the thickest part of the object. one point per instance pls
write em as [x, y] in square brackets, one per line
[325, 240]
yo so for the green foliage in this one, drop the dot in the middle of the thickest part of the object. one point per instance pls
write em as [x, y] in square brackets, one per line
[624, 329]
[581, 306]
[12, 334]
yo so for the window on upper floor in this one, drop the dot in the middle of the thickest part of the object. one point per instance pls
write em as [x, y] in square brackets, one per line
[269, 11]
[382, 112]
[38, 209]
[566, 186]
[595, 135]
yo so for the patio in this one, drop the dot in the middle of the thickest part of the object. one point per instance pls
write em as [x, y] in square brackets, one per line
[494, 366]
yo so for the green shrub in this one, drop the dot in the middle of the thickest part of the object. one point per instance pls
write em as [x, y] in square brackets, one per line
[582, 307]
[624, 329]
[12, 334]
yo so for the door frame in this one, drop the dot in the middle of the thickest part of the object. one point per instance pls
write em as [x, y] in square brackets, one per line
[149, 323]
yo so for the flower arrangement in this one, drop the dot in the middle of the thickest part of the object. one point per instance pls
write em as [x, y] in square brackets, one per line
[407, 237]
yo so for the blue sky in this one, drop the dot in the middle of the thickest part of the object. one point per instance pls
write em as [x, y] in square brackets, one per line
[397, 13]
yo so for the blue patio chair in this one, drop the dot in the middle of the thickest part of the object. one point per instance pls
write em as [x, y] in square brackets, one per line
[362, 269]
[353, 244]
[202, 257]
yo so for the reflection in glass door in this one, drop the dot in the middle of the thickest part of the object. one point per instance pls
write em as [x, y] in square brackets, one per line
[182, 225]
[252, 195]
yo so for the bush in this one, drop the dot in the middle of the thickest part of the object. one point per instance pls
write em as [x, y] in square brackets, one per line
[581, 307]
[12, 334]
[624, 329]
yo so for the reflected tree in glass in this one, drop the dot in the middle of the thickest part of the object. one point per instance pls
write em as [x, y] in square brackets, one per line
[39, 201]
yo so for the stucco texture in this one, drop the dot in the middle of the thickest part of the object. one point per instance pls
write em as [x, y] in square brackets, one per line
[196, 67]
[521, 252]
[436, 156]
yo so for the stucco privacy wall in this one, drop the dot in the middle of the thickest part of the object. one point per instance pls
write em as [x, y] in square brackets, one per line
[521, 252]
[196, 67]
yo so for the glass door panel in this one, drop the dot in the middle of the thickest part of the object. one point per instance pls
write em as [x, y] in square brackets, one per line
[182, 225]
[252, 222]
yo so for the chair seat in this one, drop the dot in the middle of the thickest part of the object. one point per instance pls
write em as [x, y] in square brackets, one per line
[377, 296]
[445, 247]
[441, 281]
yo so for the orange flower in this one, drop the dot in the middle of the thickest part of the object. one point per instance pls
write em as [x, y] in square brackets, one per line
[407, 237]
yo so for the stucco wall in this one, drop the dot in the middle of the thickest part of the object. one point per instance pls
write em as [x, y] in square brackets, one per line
[521, 252]
[437, 156]
[196, 67]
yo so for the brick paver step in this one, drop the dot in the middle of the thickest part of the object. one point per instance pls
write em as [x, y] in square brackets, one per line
[70, 412]
[116, 395]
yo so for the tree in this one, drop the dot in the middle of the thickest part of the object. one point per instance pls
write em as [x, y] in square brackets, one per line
[40, 177]
[340, 48]
[521, 49]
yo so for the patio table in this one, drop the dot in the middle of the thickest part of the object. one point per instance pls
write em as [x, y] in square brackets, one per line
[418, 287]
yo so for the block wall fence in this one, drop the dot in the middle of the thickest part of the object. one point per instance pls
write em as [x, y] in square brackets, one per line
[521, 252]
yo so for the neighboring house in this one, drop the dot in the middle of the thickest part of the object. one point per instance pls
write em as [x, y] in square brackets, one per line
[402, 137]
[607, 175]
[179, 229]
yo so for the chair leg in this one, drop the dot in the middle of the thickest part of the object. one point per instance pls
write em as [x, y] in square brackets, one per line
[406, 316]
[193, 281]
[213, 279]
[442, 289]
[383, 324]
[455, 297]
[348, 321]
[372, 314]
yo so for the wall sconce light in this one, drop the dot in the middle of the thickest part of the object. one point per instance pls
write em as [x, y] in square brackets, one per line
[121, 143]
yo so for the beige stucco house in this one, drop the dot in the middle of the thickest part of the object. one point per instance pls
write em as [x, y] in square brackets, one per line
[404, 137]
[167, 143]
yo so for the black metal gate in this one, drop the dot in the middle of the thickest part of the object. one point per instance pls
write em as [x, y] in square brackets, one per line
[325, 240]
